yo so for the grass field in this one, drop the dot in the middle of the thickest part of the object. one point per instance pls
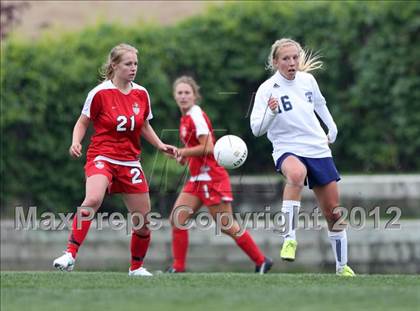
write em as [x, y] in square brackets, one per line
[206, 291]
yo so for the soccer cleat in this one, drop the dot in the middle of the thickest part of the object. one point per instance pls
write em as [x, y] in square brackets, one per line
[64, 262]
[139, 272]
[346, 271]
[288, 251]
[265, 266]
[173, 270]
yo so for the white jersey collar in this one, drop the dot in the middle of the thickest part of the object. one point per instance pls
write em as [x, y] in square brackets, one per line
[280, 79]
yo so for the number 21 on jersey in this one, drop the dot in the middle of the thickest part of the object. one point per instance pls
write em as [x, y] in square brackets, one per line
[122, 123]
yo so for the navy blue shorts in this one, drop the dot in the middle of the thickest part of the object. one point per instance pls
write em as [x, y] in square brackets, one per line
[320, 171]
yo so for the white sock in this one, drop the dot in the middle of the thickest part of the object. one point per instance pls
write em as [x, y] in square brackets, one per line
[290, 210]
[339, 245]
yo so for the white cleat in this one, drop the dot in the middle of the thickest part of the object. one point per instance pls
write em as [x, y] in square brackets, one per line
[139, 272]
[64, 262]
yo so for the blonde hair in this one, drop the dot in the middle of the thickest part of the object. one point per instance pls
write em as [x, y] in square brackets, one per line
[308, 61]
[191, 82]
[114, 57]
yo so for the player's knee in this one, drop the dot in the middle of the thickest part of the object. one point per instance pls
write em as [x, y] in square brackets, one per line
[92, 202]
[332, 217]
[296, 177]
[232, 230]
[86, 211]
[142, 232]
[180, 215]
[174, 219]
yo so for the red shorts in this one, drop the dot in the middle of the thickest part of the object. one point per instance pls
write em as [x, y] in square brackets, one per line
[210, 192]
[122, 179]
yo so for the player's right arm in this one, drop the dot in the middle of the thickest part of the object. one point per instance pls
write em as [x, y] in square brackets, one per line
[263, 113]
[204, 148]
[79, 132]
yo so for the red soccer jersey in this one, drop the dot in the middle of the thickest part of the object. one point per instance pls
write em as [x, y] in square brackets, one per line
[193, 124]
[117, 120]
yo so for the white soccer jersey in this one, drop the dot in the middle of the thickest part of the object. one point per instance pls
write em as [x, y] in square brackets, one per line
[294, 127]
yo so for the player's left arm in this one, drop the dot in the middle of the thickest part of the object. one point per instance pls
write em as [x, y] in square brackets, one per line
[321, 109]
[150, 135]
[325, 115]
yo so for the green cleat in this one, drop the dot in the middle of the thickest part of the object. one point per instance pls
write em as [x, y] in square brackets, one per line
[346, 271]
[288, 251]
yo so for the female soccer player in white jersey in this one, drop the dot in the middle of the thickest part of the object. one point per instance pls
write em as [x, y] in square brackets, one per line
[209, 183]
[284, 108]
[120, 112]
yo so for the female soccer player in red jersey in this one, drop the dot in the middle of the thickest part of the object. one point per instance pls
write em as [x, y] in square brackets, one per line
[209, 183]
[120, 112]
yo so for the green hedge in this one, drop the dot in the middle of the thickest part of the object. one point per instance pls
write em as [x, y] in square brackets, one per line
[371, 82]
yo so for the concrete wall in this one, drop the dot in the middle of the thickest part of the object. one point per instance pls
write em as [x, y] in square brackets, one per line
[370, 250]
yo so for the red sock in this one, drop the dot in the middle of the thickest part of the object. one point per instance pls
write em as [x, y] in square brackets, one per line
[77, 235]
[139, 246]
[247, 244]
[179, 248]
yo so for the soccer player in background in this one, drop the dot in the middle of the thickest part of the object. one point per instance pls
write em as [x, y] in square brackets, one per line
[208, 184]
[284, 108]
[120, 112]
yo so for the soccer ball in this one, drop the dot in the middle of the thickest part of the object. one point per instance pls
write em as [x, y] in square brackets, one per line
[230, 151]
